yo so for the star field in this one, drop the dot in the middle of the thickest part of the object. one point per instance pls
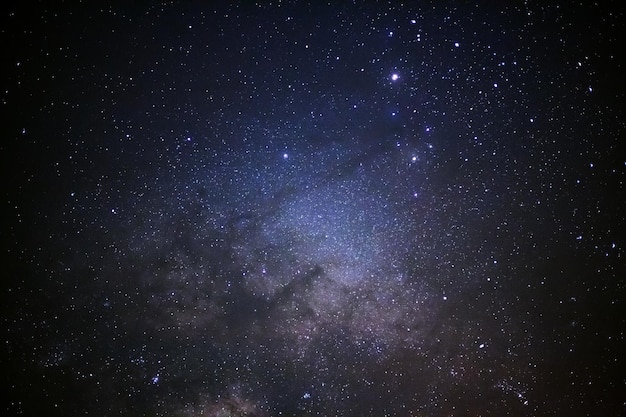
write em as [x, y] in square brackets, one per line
[313, 209]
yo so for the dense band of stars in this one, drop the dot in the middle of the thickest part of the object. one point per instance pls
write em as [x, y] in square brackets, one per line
[298, 209]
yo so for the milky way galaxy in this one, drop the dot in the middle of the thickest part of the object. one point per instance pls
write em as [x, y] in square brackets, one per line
[308, 209]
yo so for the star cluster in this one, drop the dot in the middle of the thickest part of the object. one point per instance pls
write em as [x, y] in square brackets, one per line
[298, 209]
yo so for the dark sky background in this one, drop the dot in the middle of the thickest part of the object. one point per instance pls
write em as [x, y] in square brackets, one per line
[313, 209]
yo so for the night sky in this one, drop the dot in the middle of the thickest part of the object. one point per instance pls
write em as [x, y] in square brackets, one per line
[313, 209]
